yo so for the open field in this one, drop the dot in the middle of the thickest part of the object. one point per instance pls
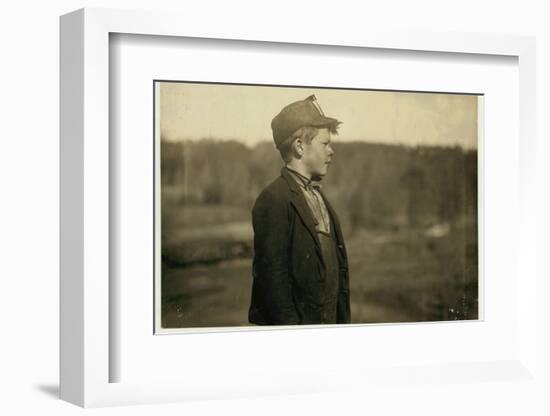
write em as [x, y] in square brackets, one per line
[395, 276]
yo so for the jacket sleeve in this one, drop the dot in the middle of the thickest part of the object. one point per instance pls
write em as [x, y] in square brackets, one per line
[271, 222]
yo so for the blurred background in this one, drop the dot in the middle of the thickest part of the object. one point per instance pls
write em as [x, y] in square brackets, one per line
[403, 183]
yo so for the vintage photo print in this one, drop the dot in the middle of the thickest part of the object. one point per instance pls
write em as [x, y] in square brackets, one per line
[290, 205]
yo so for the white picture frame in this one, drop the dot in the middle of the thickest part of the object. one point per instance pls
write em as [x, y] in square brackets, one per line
[86, 262]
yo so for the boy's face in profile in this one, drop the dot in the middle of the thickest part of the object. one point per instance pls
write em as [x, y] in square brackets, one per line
[317, 155]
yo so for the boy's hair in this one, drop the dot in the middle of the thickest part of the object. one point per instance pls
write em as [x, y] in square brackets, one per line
[307, 134]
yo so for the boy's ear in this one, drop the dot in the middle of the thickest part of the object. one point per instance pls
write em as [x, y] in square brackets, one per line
[298, 147]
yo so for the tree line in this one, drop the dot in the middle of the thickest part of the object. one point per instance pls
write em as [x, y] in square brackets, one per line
[370, 184]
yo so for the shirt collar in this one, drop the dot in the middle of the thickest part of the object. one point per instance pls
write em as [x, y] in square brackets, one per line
[304, 181]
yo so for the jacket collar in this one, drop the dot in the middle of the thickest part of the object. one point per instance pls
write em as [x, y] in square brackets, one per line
[299, 202]
[292, 184]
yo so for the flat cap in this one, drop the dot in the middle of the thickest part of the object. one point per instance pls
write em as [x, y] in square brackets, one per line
[297, 115]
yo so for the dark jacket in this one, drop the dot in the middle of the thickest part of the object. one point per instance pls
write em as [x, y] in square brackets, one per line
[288, 268]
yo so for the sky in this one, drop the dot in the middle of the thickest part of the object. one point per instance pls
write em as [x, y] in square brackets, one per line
[195, 111]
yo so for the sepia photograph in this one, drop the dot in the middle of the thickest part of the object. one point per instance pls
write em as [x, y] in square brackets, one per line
[300, 205]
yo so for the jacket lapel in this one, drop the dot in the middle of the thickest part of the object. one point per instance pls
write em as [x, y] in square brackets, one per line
[298, 200]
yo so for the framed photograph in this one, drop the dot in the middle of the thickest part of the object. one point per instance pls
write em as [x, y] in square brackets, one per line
[401, 186]
[215, 191]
